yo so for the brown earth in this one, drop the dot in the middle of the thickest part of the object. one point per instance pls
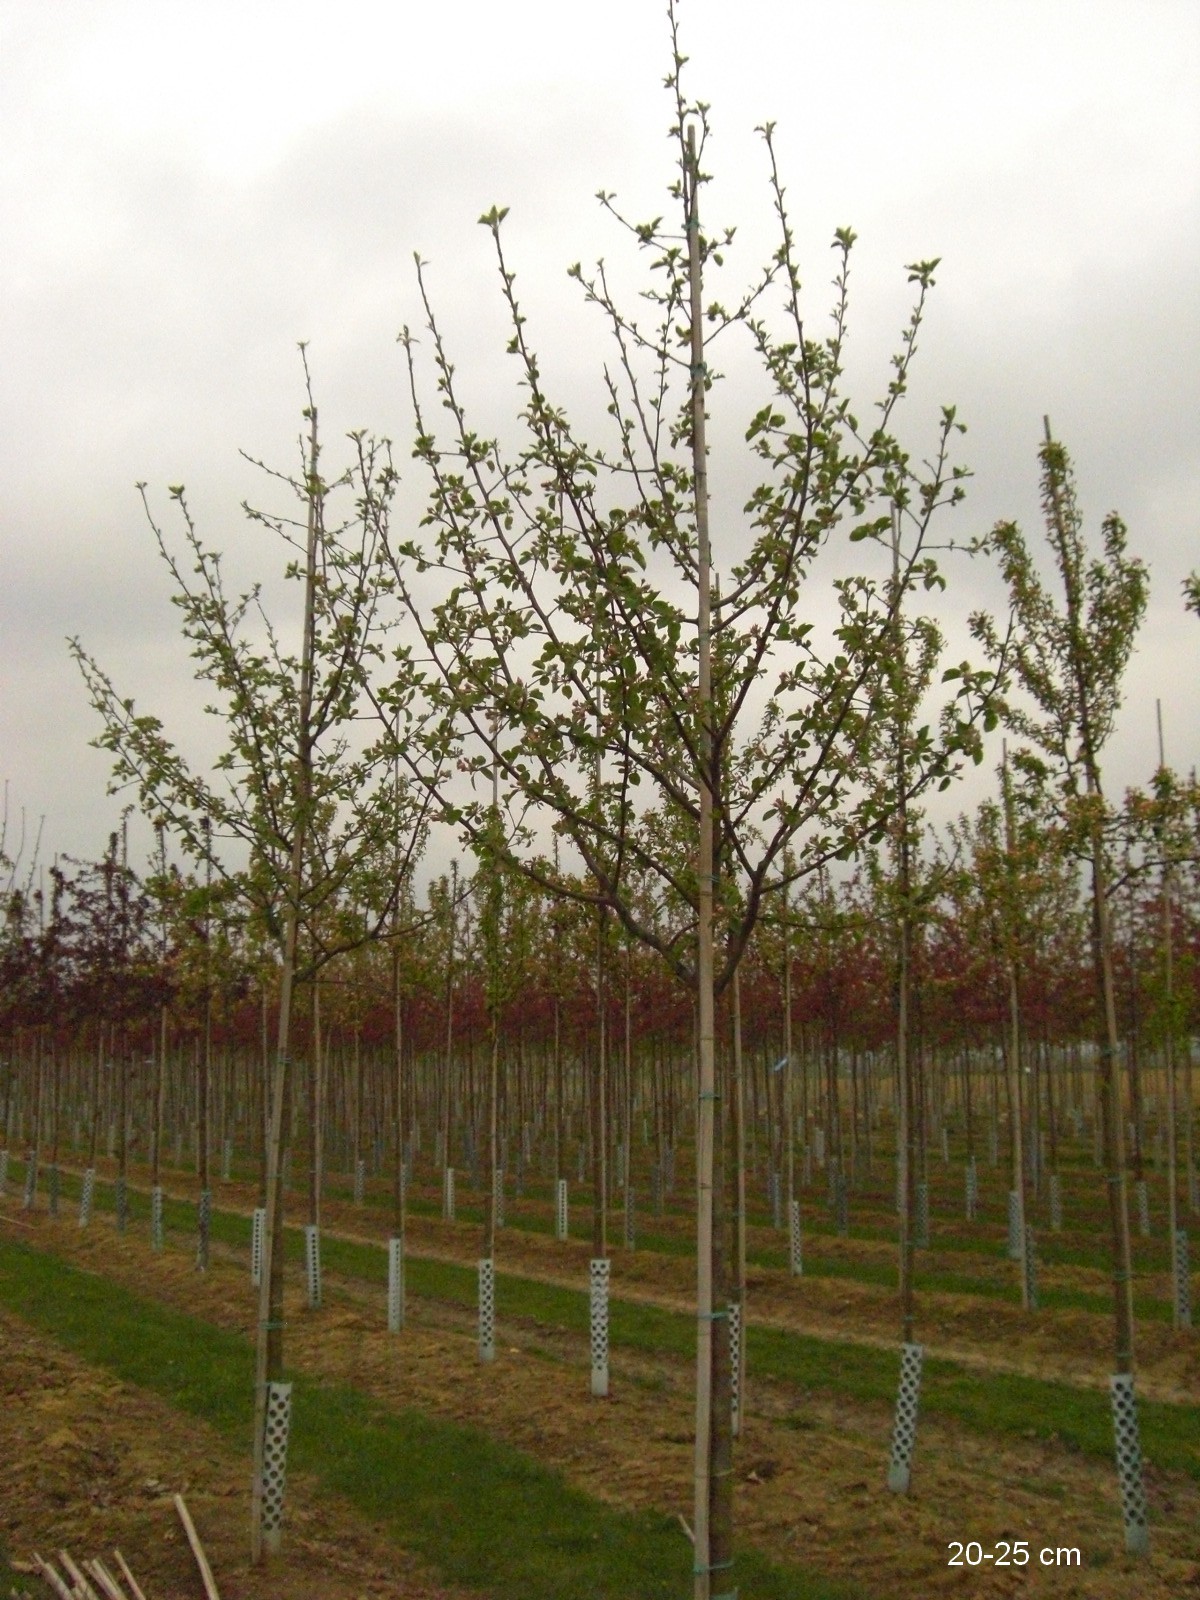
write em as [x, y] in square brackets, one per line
[810, 1468]
[1068, 1345]
[88, 1463]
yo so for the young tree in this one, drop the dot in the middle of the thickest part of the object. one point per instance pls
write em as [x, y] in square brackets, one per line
[1069, 658]
[310, 799]
[737, 754]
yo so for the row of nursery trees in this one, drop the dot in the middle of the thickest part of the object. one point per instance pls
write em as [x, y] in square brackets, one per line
[118, 990]
[660, 727]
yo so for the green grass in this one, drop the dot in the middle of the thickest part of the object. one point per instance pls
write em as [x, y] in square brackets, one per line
[12, 1582]
[1003, 1403]
[1006, 1403]
[483, 1513]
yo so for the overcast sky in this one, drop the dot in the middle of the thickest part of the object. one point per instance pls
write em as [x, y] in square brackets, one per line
[187, 190]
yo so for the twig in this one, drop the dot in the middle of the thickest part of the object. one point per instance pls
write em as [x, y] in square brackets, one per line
[128, 1576]
[684, 1526]
[189, 1527]
[51, 1577]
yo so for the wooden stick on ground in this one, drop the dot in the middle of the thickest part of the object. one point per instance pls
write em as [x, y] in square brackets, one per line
[189, 1527]
[112, 1589]
[52, 1578]
[128, 1576]
[82, 1588]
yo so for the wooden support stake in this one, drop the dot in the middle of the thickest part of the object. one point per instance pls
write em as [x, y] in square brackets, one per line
[83, 1589]
[51, 1577]
[128, 1576]
[112, 1589]
[189, 1527]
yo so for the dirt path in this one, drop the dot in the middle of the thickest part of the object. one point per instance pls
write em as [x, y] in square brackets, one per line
[810, 1470]
[984, 1333]
[88, 1463]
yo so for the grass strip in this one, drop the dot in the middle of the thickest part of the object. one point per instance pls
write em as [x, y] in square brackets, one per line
[11, 1582]
[485, 1514]
[1000, 1402]
[1031, 1408]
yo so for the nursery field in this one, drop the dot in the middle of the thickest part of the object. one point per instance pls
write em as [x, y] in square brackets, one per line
[563, 1111]
[417, 1471]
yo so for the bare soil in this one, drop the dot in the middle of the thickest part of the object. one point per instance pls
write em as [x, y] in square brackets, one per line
[89, 1464]
[810, 1468]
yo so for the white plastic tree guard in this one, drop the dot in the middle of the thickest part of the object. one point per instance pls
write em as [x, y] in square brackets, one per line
[1181, 1273]
[1030, 1266]
[904, 1427]
[395, 1301]
[448, 1194]
[735, 1367]
[312, 1264]
[922, 1232]
[278, 1424]
[561, 1229]
[1129, 1464]
[598, 1278]
[795, 1240]
[203, 1228]
[157, 1239]
[1014, 1225]
[86, 1196]
[258, 1229]
[487, 1309]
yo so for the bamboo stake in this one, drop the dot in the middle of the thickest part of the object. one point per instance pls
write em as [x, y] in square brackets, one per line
[128, 1576]
[51, 1577]
[713, 1497]
[189, 1527]
[105, 1579]
[1014, 1036]
[268, 1356]
[1167, 887]
[82, 1588]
